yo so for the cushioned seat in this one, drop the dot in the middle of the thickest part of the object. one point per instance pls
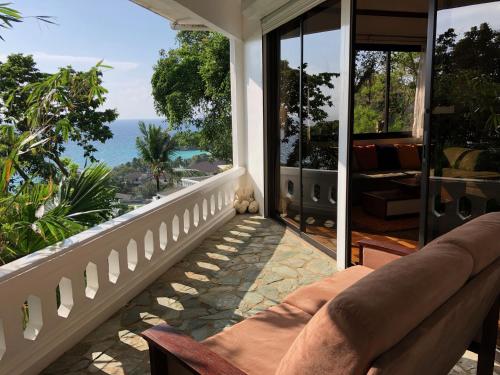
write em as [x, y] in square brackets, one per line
[257, 344]
[379, 174]
[461, 173]
[312, 297]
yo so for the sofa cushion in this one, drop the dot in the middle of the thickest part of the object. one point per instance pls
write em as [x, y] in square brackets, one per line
[368, 318]
[452, 326]
[256, 345]
[388, 158]
[460, 173]
[312, 297]
[408, 156]
[380, 174]
[454, 155]
[470, 161]
[366, 157]
[479, 237]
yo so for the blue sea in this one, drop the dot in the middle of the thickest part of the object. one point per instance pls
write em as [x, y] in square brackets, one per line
[121, 148]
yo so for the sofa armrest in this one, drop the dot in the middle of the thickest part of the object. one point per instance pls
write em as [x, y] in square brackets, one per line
[374, 254]
[170, 349]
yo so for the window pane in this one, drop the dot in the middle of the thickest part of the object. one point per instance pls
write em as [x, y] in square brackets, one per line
[321, 102]
[369, 97]
[465, 123]
[404, 72]
[289, 125]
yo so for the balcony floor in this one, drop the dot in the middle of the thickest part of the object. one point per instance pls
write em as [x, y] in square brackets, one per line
[248, 265]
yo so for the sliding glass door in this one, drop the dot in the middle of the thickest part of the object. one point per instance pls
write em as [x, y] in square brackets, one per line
[308, 122]
[289, 74]
[464, 125]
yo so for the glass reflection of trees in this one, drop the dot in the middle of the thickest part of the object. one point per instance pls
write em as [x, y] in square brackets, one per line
[370, 91]
[319, 155]
[466, 96]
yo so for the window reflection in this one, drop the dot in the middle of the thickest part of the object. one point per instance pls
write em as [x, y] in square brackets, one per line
[386, 91]
[465, 123]
[309, 129]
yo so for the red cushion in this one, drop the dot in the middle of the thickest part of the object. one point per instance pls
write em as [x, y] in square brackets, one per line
[366, 157]
[408, 156]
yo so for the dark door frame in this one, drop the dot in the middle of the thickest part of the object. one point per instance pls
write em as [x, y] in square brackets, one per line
[429, 72]
[271, 53]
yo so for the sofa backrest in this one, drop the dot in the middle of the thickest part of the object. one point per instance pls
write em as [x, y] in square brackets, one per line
[368, 318]
[480, 237]
[387, 157]
[436, 344]
[372, 316]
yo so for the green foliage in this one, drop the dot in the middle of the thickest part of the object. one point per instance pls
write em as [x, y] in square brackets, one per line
[367, 119]
[370, 86]
[155, 147]
[404, 73]
[313, 111]
[467, 76]
[188, 139]
[43, 198]
[191, 87]
[10, 16]
[66, 105]
[467, 81]
[38, 215]
[89, 196]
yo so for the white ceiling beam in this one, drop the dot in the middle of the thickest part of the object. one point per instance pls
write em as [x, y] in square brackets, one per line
[219, 15]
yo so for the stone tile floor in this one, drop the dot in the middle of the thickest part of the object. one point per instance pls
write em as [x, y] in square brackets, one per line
[248, 265]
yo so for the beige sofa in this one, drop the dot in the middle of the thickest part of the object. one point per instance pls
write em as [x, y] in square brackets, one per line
[413, 314]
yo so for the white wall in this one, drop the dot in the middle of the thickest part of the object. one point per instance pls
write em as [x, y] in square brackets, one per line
[254, 107]
[342, 203]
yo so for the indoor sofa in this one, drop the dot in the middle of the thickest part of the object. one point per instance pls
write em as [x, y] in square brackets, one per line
[395, 314]
[375, 167]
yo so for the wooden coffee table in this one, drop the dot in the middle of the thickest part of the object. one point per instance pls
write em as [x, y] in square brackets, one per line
[390, 203]
[410, 185]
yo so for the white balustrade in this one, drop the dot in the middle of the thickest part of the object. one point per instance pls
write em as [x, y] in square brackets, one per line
[51, 299]
[320, 189]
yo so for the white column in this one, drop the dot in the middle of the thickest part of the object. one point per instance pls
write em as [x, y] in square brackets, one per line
[342, 203]
[237, 102]
[254, 109]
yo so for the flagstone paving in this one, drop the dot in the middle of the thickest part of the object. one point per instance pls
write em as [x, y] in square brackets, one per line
[245, 267]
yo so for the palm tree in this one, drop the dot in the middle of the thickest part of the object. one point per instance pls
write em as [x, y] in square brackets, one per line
[41, 214]
[156, 147]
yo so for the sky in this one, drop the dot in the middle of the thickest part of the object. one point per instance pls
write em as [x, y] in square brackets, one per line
[123, 34]
[128, 37]
[463, 18]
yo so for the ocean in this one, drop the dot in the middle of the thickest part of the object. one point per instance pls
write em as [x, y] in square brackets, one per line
[121, 148]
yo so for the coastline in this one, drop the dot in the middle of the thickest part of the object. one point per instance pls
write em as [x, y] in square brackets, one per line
[121, 148]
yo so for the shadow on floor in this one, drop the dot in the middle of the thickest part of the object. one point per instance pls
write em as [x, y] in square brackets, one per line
[247, 266]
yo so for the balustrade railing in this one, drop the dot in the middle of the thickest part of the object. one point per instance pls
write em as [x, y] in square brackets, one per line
[320, 189]
[51, 299]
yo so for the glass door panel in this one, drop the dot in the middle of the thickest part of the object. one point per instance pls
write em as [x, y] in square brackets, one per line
[464, 173]
[320, 121]
[308, 118]
[288, 205]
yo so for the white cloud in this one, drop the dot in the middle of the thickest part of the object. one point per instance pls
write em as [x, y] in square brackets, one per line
[52, 61]
[131, 97]
[63, 60]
